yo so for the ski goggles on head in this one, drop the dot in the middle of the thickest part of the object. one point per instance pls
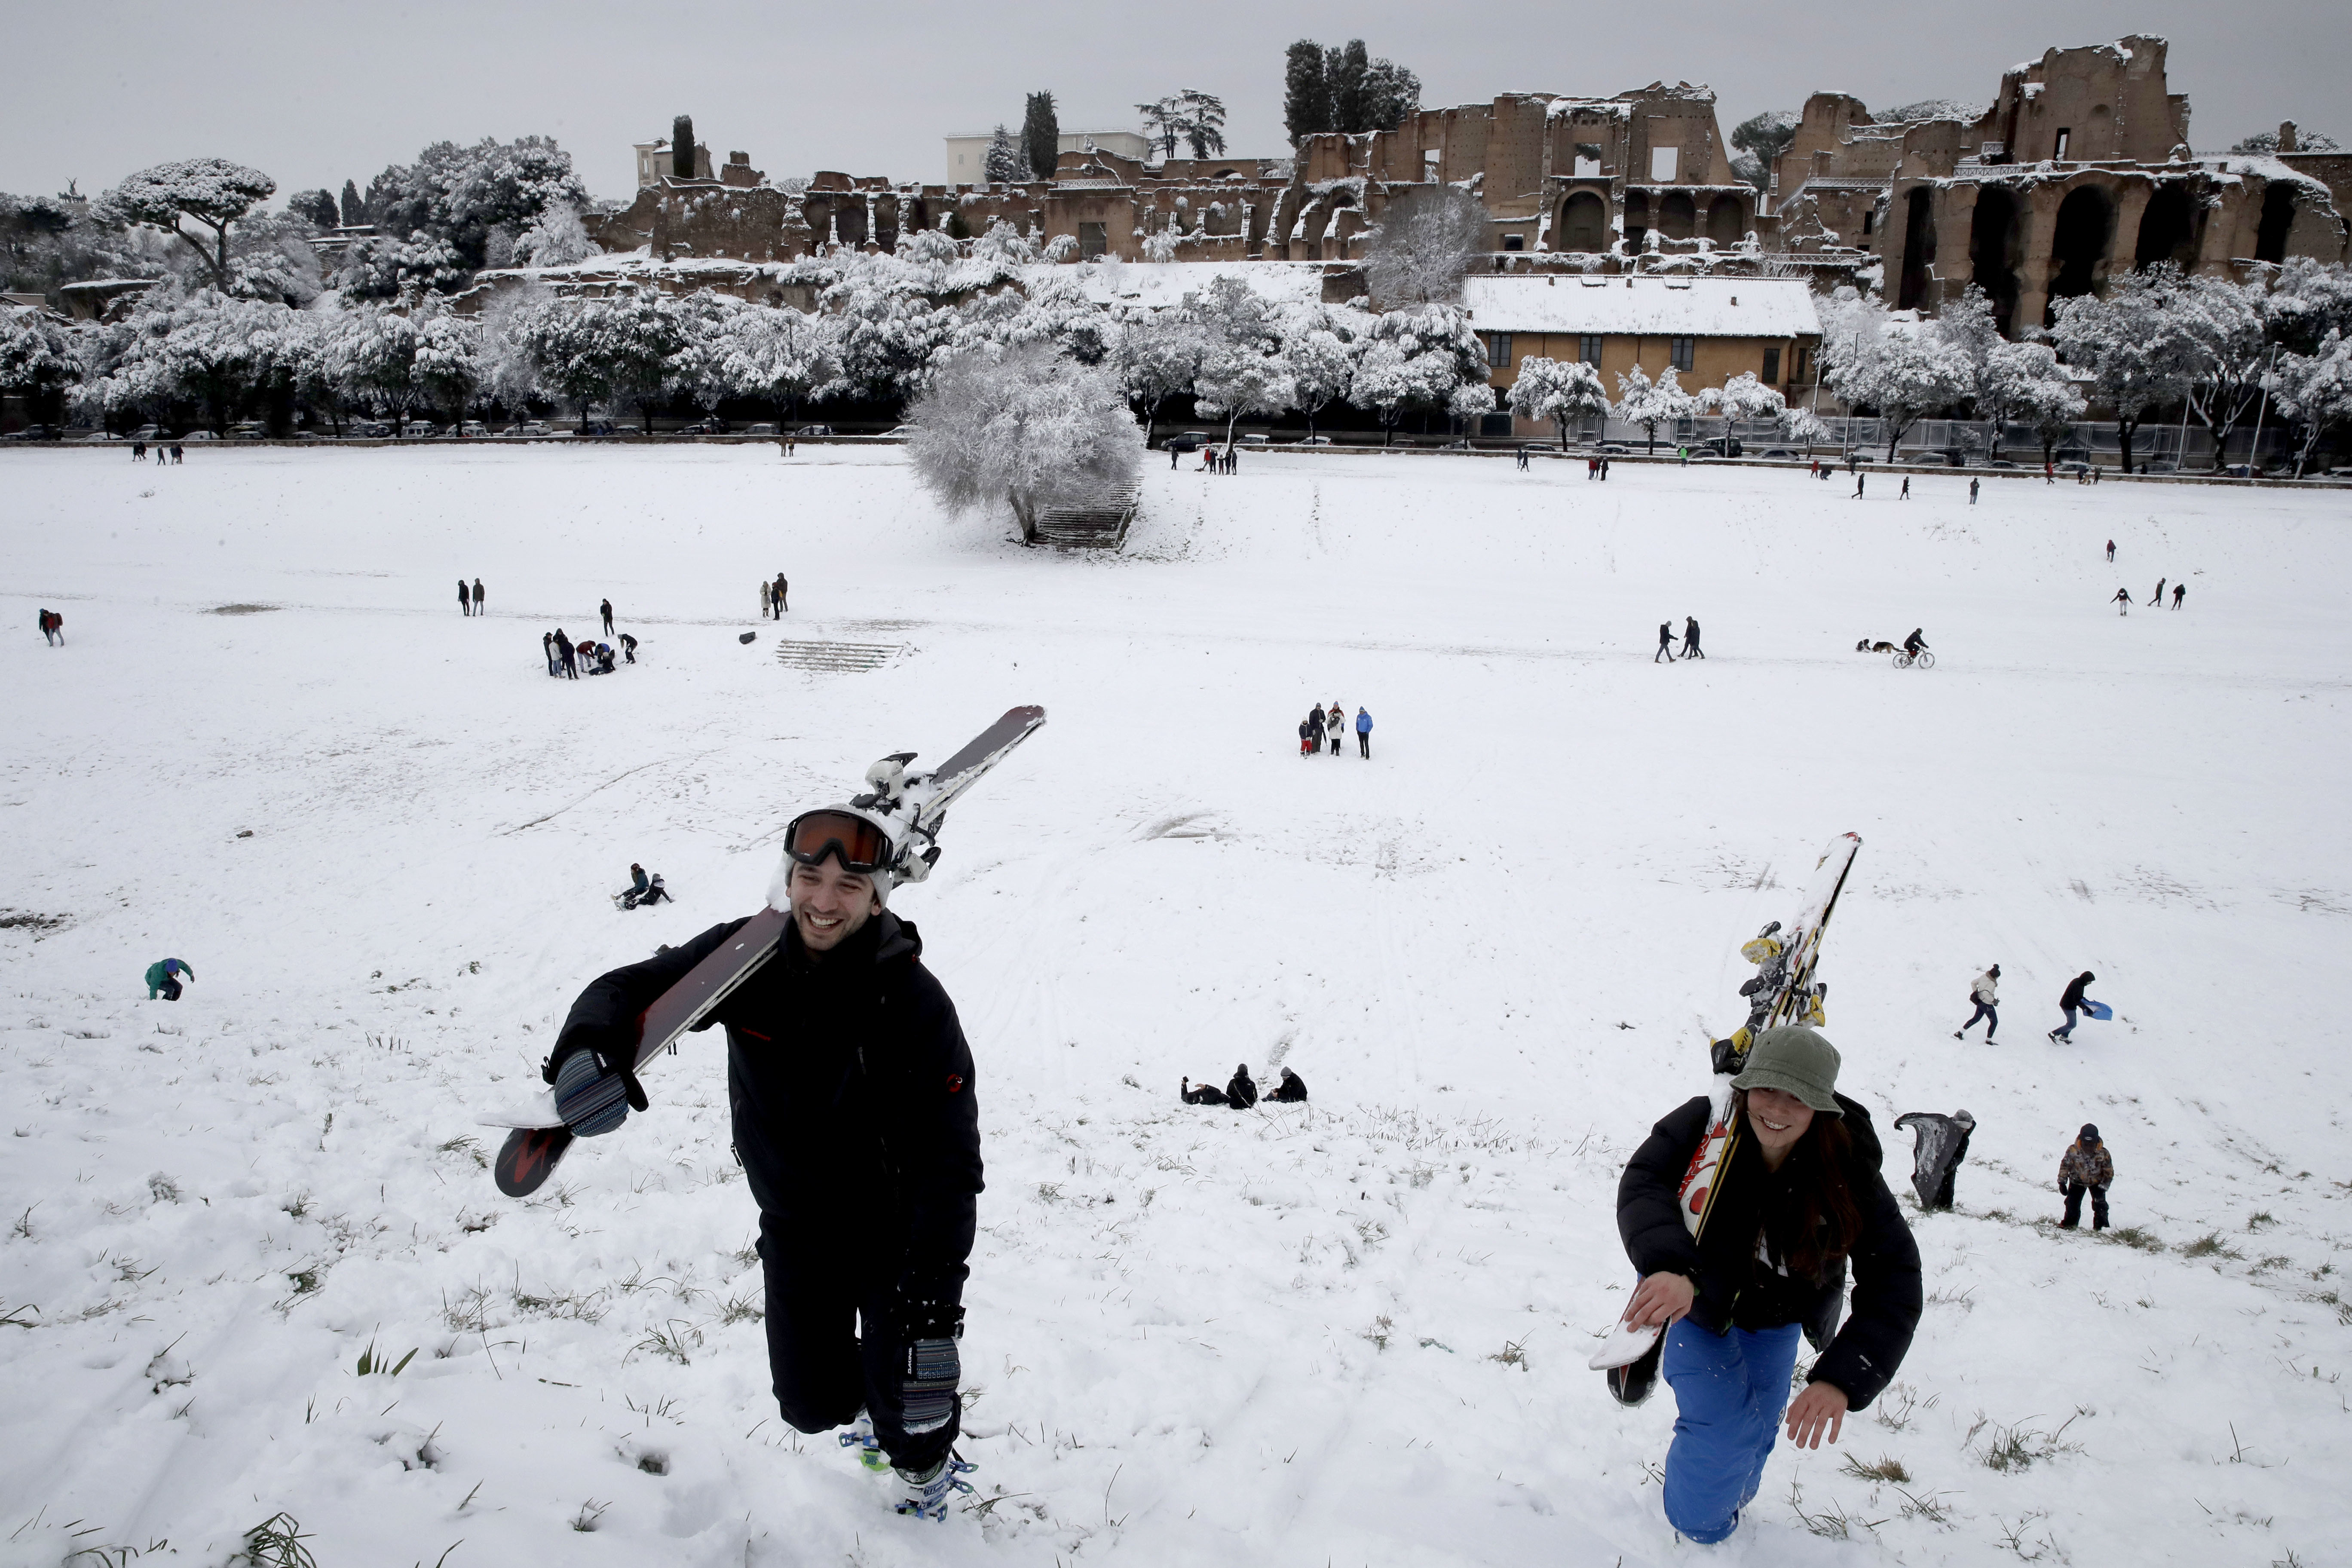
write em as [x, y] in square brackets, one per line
[857, 843]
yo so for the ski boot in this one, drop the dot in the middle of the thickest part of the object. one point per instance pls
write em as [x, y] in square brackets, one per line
[861, 1437]
[929, 1491]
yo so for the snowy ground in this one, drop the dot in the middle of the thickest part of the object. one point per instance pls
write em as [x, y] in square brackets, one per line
[1351, 1332]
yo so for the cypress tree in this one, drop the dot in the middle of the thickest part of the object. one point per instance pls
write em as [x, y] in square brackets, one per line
[1041, 135]
[354, 211]
[1346, 70]
[681, 147]
[1306, 93]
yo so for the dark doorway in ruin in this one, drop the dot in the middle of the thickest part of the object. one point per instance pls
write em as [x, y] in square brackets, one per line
[886, 223]
[1637, 219]
[2168, 228]
[1994, 241]
[1725, 222]
[847, 220]
[1918, 247]
[2086, 222]
[1583, 223]
[1678, 214]
[2278, 217]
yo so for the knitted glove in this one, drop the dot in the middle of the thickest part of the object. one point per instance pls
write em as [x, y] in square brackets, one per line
[592, 1098]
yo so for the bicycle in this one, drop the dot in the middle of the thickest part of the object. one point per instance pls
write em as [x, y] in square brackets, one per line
[1923, 658]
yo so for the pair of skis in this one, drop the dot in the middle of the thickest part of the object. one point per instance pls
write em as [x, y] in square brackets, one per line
[1782, 990]
[915, 804]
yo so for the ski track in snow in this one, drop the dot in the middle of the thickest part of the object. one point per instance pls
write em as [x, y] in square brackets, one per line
[1353, 1332]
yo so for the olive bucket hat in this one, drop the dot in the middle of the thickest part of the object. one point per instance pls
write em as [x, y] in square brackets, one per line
[1795, 1060]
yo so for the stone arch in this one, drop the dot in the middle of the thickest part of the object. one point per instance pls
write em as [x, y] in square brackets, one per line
[1726, 220]
[2278, 217]
[1637, 219]
[1583, 223]
[2169, 228]
[2078, 246]
[1995, 240]
[1678, 214]
[1918, 247]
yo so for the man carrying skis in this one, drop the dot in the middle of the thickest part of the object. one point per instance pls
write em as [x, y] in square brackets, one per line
[849, 1075]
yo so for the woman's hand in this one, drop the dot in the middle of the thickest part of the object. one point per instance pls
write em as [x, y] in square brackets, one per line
[1659, 1300]
[1822, 1406]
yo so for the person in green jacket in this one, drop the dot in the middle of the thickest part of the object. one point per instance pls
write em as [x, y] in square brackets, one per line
[164, 977]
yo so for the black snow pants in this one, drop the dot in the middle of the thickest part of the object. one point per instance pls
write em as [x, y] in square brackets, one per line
[831, 1348]
[1364, 743]
[2074, 1191]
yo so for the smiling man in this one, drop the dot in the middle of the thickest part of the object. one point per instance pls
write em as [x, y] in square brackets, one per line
[855, 1121]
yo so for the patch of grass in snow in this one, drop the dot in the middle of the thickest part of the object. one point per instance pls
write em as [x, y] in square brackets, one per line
[305, 1280]
[1931, 1508]
[1378, 1333]
[2261, 1218]
[25, 920]
[2133, 1236]
[240, 609]
[584, 1521]
[277, 1543]
[1885, 1469]
[1899, 1404]
[740, 1308]
[571, 1304]
[2209, 1245]
[2012, 1449]
[1832, 1523]
[672, 1341]
[1513, 1353]
[2013, 1537]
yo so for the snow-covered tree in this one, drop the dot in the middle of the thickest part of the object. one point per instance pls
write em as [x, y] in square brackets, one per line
[1414, 359]
[556, 237]
[2308, 300]
[449, 359]
[1563, 391]
[37, 361]
[779, 355]
[1235, 380]
[459, 195]
[1425, 242]
[383, 268]
[1319, 366]
[590, 350]
[1903, 369]
[1005, 165]
[1647, 403]
[2314, 391]
[1156, 358]
[1761, 138]
[2224, 320]
[2139, 358]
[1027, 427]
[2024, 383]
[205, 347]
[211, 192]
[1743, 397]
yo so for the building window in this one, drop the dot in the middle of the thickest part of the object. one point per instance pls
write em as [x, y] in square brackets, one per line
[1587, 349]
[1681, 349]
[1663, 163]
[1431, 157]
[1804, 364]
[1587, 165]
[1514, 242]
[1869, 217]
[1771, 366]
[1498, 350]
[2065, 136]
[1093, 240]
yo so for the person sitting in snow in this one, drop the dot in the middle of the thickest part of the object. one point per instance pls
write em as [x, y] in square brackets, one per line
[165, 977]
[655, 893]
[1242, 1092]
[628, 899]
[1291, 1090]
[1200, 1093]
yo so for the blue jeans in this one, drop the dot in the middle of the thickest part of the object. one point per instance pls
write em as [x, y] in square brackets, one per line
[2066, 1033]
[1986, 1011]
[1729, 1392]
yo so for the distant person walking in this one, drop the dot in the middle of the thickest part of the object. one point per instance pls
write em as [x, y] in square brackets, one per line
[2157, 598]
[179, 453]
[1604, 468]
[465, 598]
[2072, 1003]
[2123, 601]
[607, 606]
[783, 595]
[1666, 643]
[1860, 478]
[138, 452]
[1985, 994]
[1905, 494]
[1973, 492]
[1690, 638]
[564, 652]
[2111, 552]
[2085, 1167]
[164, 976]
[2179, 592]
[1364, 735]
[477, 596]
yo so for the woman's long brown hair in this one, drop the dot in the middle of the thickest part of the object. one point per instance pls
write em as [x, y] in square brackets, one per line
[1829, 1221]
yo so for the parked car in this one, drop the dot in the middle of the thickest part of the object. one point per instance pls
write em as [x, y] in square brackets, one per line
[705, 428]
[1256, 440]
[248, 430]
[37, 432]
[197, 436]
[527, 428]
[1459, 444]
[1185, 441]
[1614, 449]
[1720, 446]
[765, 430]
[813, 430]
[1782, 452]
[471, 427]
[900, 432]
[1539, 446]
[2000, 463]
[588, 428]
[418, 429]
[1312, 441]
[2081, 468]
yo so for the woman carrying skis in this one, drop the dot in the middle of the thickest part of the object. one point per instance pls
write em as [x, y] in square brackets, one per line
[1797, 1196]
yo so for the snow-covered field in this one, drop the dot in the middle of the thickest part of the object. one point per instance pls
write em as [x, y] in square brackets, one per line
[1351, 1332]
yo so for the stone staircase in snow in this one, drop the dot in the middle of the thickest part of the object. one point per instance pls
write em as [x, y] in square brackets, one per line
[1100, 523]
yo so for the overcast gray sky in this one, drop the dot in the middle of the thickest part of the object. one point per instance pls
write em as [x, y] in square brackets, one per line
[317, 93]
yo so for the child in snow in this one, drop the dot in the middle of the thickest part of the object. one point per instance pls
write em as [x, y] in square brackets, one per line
[1291, 1090]
[2072, 1003]
[1310, 733]
[1942, 1143]
[655, 893]
[1200, 1093]
[165, 977]
[628, 899]
[1240, 1093]
[2085, 1167]
[1984, 994]
[1800, 1200]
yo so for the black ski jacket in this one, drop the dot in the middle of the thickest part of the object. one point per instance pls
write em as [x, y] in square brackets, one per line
[2074, 994]
[840, 1071]
[1240, 1093]
[1858, 1358]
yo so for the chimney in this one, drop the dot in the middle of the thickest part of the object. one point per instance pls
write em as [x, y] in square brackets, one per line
[2287, 136]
